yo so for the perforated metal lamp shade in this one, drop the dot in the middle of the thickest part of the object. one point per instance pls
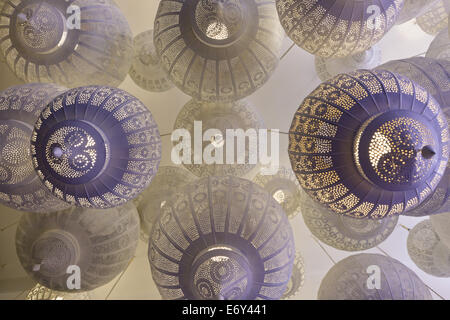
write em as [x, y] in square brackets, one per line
[96, 147]
[348, 134]
[99, 242]
[284, 188]
[427, 251]
[349, 278]
[328, 68]
[42, 43]
[146, 69]
[166, 182]
[20, 186]
[40, 292]
[414, 8]
[216, 50]
[440, 46]
[297, 279]
[222, 238]
[345, 233]
[336, 28]
[441, 225]
[220, 116]
[436, 18]
[432, 75]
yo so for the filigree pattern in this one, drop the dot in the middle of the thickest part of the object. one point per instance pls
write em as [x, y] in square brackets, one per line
[441, 225]
[146, 70]
[99, 242]
[40, 44]
[218, 50]
[427, 251]
[414, 8]
[222, 238]
[20, 187]
[440, 46]
[349, 110]
[327, 68]
[337, 28]
[436, 18]
[345, 233]
[96, 147]
[39, 292]
[297, 279]
[348, 280]
[284, 188]
[223, 117]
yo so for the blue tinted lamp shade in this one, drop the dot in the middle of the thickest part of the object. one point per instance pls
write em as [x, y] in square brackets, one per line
[146, 69]
[414, 8]
[348, 280]
[20, 186]
[427, 251]
[222, 238]
[337, 28]
[41, 42]
[96, 147]
[345, 233]
[218, 50]
[433, 75]
[369, 144]
[99, 242]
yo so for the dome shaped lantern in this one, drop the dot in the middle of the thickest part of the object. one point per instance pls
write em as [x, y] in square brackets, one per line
[284, 188]
[427, 251]
[222, 238]
[218, 50]
[328, 68]
[337, 28]
[369, 144]
[96, 147]
[348, 280]
[413, 8]
[165, 183]
[99, 242]
[436, 18]
[440, 46]
[20, 186]
[146, 70]
[345, 233]
[45, 41]
[441, 225]
[222, 117]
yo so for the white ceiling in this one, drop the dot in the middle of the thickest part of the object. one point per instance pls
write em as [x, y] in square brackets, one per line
[277, 101]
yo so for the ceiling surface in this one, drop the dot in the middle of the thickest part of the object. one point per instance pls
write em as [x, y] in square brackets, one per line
[276, 101]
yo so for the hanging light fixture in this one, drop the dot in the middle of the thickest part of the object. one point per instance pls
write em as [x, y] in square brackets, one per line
[218, 50]
[436, 18]
[369, 144]
[345, 233]
[222, 238]
[146, 69]
[440, 46]
[96, 245]
[432, 75]
[297, 279]
[20, 187]
[166, 182]
[414, 8]
[96, 147]
[70, 42]
[441, 225]
[349, 280]
[284, 188]
[221, 117]
[328, 68]
[39, 292]
[427, 251]
[337, 28]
